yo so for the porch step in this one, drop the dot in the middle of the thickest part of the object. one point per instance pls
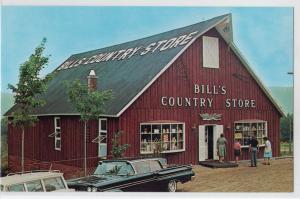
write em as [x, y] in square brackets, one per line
[216, 164]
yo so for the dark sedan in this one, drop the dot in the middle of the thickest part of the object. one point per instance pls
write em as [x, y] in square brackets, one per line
[133, 175]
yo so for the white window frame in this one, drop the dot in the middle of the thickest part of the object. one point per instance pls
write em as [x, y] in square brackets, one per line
[251, 122]
[210, 52]
[152, 132]
[100, 138]
[56, 138]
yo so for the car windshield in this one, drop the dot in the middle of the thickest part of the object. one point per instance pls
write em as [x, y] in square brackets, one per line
[114, 168]
[53, 184]
[147, 166]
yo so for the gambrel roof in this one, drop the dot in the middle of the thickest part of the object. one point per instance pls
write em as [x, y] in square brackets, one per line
[128, 69]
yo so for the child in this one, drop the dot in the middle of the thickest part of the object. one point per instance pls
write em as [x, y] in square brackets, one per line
[237, 150]
[267, 151]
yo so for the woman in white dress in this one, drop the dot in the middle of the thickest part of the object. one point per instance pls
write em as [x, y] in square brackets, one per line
[267, 151]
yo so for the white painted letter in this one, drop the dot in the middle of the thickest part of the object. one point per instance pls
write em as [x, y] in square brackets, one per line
[148, 48]
[227, 103]
[196, 88]
[168, 44]
[134, 51]
[159, 43]
[253, 103]
[163, 101]
[188, 38]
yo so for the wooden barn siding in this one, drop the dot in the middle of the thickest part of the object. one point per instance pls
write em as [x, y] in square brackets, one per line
[38, 146]
[178, 80]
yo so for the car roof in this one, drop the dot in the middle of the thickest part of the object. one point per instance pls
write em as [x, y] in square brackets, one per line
[27, 177]
[132, 159]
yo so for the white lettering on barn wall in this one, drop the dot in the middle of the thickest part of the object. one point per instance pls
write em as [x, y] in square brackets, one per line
[130, 52]
[203, 102]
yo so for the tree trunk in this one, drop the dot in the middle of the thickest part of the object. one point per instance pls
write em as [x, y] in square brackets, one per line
[22, 150]
[84, 146]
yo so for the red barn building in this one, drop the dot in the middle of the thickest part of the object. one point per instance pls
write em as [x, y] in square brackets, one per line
[180, 89]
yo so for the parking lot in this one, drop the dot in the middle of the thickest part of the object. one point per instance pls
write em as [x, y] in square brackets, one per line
[278, 177]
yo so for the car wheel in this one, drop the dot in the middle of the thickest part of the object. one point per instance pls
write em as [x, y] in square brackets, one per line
[172, 186]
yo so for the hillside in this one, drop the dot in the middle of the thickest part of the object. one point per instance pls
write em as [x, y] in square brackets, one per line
[285, 96]
[7, 100]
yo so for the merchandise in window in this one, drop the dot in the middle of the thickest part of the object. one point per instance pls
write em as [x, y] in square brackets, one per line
[162, 137]
[243, 130]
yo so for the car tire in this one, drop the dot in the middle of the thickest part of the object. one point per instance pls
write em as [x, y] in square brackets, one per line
[172, 186]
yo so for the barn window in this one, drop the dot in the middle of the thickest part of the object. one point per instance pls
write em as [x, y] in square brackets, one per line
[243, 130]
[162, 137]
[210, 52]
[101, 139]
[57, 135]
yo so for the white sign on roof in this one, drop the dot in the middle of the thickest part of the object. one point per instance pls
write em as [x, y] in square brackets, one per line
[128, 53]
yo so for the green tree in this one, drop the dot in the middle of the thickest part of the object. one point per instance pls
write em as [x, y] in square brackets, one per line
[286, 126]
[89, 103]
[118, 149]
[286, 130]
[28, 91]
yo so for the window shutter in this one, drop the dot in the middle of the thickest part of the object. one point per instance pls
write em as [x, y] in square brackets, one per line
[210, 52]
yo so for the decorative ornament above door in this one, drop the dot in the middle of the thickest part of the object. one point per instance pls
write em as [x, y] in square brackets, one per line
[213, 116]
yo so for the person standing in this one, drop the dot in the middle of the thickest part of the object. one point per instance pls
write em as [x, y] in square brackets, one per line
[237, 148]
[253, 143]
[267, 151]
[221, 146]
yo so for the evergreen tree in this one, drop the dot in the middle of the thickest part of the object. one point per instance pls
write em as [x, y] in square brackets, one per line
[118, 150]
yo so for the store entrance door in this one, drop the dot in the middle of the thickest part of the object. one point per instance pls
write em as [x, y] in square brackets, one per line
[208, 135]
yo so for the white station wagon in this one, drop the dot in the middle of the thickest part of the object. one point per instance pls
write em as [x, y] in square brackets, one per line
[34, 181]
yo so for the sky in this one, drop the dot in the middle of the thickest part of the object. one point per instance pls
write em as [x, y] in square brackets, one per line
[264, 35]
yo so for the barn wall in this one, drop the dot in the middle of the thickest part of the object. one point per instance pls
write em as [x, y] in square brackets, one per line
[178, 81]
[40, 148]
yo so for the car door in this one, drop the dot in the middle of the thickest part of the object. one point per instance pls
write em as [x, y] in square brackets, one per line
[144, 178]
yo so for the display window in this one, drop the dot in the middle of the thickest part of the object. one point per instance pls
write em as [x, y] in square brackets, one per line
[162, 137]
[243, 130]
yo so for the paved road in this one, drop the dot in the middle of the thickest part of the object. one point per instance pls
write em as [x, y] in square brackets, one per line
[278, 177]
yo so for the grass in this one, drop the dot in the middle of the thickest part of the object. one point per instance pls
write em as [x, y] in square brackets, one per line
[4, 163]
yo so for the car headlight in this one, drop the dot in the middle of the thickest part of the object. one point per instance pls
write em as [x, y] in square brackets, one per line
[94, 189]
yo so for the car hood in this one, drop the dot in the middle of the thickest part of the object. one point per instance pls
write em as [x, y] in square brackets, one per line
[94, 180]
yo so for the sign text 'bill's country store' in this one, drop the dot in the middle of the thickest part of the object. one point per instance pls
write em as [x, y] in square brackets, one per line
[207, 102]
[128, 53]
[166, 101]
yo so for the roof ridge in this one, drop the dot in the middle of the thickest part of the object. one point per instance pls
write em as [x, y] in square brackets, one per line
[176, 29]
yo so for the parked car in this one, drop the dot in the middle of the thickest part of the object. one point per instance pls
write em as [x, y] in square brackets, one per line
[34, 181]
[133, 175]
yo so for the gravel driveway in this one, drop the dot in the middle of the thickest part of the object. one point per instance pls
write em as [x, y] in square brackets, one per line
[278, 177]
